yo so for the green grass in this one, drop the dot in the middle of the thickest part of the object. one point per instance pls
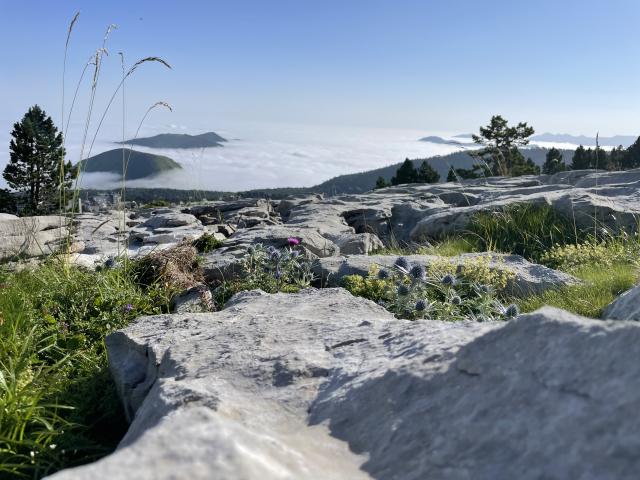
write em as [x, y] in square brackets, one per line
[447, 247]
[58, 405]
[525, 229]
[601, 286]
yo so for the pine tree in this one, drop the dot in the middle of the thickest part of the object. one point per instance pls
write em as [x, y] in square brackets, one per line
[500, 147]
[427, 174]
[616, 158]
[381, 183]
[451, 176]
[631, 157]
[580, 159]
[36, 152]
[553, 162]
[407, 173]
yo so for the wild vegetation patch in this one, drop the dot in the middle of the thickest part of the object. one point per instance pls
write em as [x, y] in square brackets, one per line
[271, 270]
[58, 405]
[441, 290]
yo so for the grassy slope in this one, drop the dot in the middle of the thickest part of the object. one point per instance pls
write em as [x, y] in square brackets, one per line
[140, 165]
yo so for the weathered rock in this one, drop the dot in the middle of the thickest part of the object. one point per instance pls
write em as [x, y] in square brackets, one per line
[321, 384]
[358, 243]
[196, 299]
[625, 307]
[32, 236]
[529, 279]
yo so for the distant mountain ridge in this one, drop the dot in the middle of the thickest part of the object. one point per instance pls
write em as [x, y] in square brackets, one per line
[178, 140]
[140, 164]
[365, 181]
[624, 140]
[441, 141]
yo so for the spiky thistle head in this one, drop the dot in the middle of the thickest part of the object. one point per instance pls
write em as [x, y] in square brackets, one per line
[383, 274]
[512, 311]
[418, 272]
[403, 290]
[456, 300]
[448, 280]
[421, 305]
[403, 264]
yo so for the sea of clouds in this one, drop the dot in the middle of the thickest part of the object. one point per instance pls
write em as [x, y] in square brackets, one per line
[267, 155]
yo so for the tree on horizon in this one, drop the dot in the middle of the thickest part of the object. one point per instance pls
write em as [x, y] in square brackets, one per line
[500, 154]
[36, 156]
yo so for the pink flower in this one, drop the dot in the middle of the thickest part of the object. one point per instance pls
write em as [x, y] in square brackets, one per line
[293, 241]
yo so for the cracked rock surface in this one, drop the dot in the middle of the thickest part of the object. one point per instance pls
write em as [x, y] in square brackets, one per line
[324, 385]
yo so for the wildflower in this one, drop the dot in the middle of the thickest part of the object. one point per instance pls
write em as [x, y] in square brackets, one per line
[128, 307]
[512, 311]
[295, 254]
[448, 280]
[403, 290]
[403, 264]
[292, 241]
[456, 300]
[383, 274]
[418, 272]
[275, 255]
[421, 305]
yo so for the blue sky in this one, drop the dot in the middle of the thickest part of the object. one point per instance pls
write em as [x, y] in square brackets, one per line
[564, 65]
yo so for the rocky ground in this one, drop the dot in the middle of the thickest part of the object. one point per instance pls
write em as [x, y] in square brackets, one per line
[321, 384]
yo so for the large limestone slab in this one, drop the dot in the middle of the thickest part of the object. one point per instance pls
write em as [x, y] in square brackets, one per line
[324, 385]
[32, 236]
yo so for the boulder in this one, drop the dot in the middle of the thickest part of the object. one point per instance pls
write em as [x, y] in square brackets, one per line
[321, 384]
[196, 299]
[625, 307]
[32, 236]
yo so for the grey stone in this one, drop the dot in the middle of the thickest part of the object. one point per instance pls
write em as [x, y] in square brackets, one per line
[321, 384]
[625, 307]
[32, 236]
[196, 299]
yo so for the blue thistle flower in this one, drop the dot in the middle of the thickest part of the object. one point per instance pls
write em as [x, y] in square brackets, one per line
[448, 280]
[418, 272]
[456, 300]
[403, 290]
[512, 311]
[421, 305]
[403, 264]
[383, 274]
[110, 263]
[275, 255]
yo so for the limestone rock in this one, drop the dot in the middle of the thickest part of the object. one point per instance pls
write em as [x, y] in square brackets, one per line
[625, 307]
[196, 299]
[321, 384]
[32, 236]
